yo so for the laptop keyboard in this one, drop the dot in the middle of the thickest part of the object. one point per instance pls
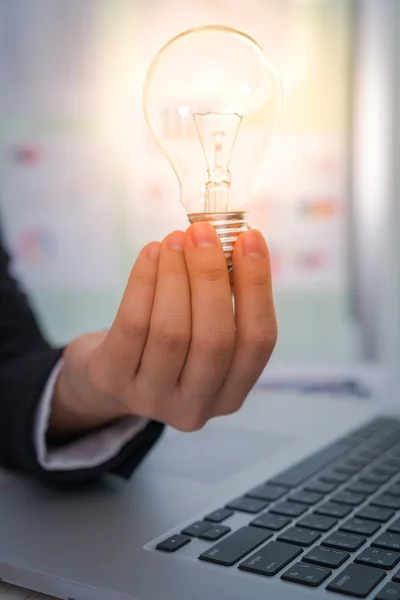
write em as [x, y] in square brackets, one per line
[332, 521]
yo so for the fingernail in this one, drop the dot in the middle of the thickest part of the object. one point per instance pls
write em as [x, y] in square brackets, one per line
[175, 241]
[153, 251]
[203, 234]
[253, 244]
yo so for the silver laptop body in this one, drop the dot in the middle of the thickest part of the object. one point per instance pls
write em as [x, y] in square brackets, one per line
[98, 541]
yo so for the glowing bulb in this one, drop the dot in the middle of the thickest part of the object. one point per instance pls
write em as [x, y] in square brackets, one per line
[212, 98]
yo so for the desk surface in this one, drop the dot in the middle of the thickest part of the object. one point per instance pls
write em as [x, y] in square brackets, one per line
[9, 592]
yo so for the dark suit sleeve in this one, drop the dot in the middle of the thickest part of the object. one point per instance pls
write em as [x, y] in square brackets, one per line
[26, 361]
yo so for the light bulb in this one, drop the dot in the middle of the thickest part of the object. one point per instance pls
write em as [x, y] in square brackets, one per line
[211, 99]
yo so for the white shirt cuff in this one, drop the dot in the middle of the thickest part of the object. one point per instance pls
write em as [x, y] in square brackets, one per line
[90, 450]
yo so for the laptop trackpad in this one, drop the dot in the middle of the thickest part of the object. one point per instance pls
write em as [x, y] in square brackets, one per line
[214, 453]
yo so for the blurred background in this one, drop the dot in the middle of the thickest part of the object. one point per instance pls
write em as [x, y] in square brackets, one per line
[83, 187]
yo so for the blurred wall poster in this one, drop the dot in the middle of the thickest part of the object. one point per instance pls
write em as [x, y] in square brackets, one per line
[57, 211]
[57, 199]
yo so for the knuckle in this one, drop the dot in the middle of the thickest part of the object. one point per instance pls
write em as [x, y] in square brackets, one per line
[103, 379]
[232, 400]
[259, 277]
[217, 342]
[272, 333]
[263, 340]
[143, 278]
[231, 408]
[105, 385]
[134, 326]
[173, 339]
[99, 381]
[212, 273]
[179, 270]
[191, 423]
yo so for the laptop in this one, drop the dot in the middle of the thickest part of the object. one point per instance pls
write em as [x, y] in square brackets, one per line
[295, 497]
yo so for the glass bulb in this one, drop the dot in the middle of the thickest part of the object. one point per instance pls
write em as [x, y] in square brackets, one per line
[212, 98]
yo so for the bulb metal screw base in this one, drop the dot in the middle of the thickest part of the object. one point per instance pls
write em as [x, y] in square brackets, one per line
[228, 226]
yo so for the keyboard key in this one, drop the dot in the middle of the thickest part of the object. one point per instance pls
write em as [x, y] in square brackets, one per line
[374, 477]
[196, 529]
[374, 447]
[356, 580]
[380, 447]
[360, 487]
[391, 461]
[360, 526]
[215, 533]
[326, 557]
[369, 445]
[383, 443]
[348, 498]
[394, 490]
[173, 543]
[305, 497]
[386, 469]
[382, 559]
[395, 526]
[375, 514]
[306, 574]
[386, 501]
[368, 456]
[396, 576]
[247, 505]
[390, 541]
[321, 487]
[267, 492]
[334, 477]
[289, 509]
[299, 536]
[269, 521]
[391, 591]
[347, 469]
[358, 461]
[394, 453]
[317, 522]
[373, 426]
[295, 475]
[219, 515]
[270, 559]
[344, 541]
[236, 546]
[331, 509]
[361, 434]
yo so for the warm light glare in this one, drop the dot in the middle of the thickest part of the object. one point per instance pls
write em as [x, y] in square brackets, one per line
[184, 111]
[226, 96]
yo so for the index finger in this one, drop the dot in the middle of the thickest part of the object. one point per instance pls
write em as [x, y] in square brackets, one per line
[128, 334]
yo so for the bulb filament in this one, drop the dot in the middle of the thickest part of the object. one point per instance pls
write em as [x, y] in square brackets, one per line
[217, 134]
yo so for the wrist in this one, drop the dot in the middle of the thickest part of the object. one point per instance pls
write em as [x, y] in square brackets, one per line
[77, 407]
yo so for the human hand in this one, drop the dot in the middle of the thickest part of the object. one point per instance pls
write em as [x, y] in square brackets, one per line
[177, 351]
